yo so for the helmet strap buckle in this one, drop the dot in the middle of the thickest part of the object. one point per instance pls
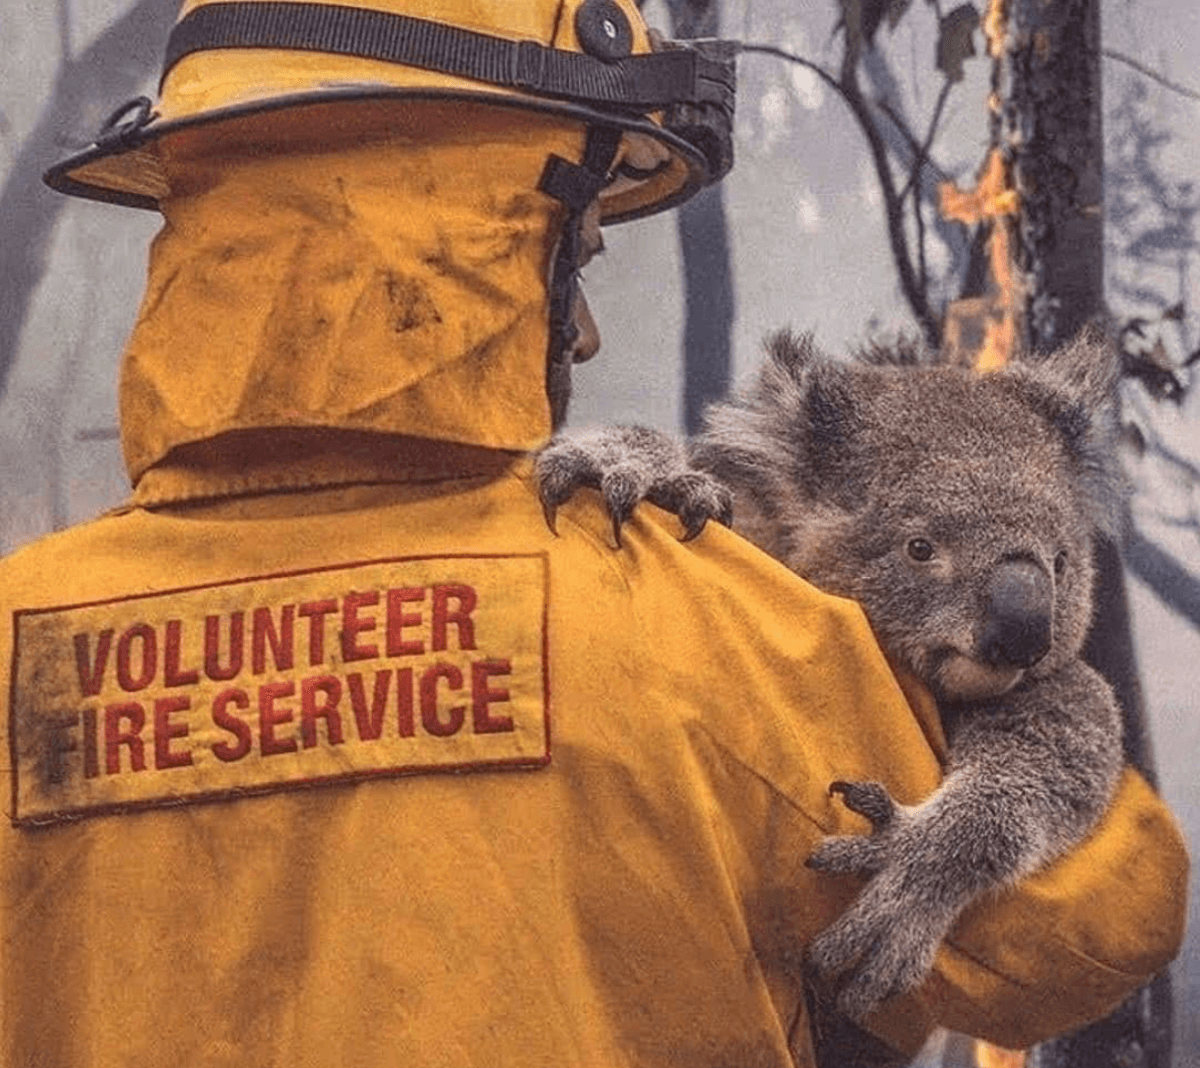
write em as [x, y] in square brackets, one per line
[124, 124]
[575, 185]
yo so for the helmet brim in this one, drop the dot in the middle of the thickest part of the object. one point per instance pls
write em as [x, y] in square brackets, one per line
[124, 168]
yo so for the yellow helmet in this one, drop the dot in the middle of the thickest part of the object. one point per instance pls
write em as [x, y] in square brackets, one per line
[666, 113]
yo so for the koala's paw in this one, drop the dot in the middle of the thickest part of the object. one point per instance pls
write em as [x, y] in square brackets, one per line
[562, 468]
[848, 854]
[694, 496]
[860, 854]
[876, 950]
[869, 799]
[884, 944]
[629, 465]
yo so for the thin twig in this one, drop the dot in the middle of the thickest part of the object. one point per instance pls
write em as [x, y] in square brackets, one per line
[922, 150]
[1153, 75]
[919, 152]
[921, 264]
[903, 130]
[914, 177]
[912, 285]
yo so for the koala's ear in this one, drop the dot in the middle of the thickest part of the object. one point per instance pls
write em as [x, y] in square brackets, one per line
[1075, 389]
[816, 404]
[792, 424]
[1085, 370]
[831, 408]
[793, 353]
[810, 391]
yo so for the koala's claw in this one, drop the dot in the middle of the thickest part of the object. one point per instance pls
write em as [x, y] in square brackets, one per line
[550, 512]
[562, 468]
[696, 498]
[621, 489]
[869, 799]
[629, 465]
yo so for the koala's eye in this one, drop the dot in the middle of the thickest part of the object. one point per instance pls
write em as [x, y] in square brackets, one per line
[920, 549]
[1060, 564]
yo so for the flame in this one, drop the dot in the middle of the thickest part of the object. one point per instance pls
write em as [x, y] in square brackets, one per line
[995, 25]
[995, 317]
[989, 1056]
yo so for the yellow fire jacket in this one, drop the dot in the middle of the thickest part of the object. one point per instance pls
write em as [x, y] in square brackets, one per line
[350, 761]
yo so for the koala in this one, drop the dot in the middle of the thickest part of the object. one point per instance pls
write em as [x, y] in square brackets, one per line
[959, 510]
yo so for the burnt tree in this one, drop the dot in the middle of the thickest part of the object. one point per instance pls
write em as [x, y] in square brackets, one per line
[1048, 131]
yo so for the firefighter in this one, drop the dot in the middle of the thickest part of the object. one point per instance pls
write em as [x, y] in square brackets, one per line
[324, 749]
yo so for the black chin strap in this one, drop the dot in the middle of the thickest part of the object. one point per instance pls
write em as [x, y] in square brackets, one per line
[576, 186]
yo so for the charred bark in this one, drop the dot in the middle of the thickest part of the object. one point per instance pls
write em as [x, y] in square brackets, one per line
[1050, 130]
[1052, 135]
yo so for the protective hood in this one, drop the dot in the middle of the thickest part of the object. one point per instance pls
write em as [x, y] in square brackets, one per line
[390, 276]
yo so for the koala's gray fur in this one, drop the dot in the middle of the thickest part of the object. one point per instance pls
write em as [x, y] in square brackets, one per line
[959, 510]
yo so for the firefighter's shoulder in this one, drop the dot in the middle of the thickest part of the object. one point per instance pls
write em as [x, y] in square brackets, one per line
[788, 679]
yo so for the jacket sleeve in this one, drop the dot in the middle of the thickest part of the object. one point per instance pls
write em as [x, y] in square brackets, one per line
[1068, 944]
[801, 695]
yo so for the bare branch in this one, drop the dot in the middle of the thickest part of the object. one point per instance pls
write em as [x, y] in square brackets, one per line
[922, 266]
[921, 151]
[1182, 465]
[920, 154]
[912, 285]
[1171, 582]
[1153, 75]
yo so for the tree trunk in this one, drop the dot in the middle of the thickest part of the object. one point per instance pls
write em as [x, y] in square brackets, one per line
[1049, 130]
[86, 88]
[704, 249]
[708, 288]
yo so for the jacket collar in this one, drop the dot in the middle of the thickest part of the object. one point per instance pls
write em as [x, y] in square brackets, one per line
[254, 462]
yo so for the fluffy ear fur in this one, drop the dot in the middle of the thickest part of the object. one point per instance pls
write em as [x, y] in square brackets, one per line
[792, 352]
[795, 423]
[1075, 389]
[903, 351]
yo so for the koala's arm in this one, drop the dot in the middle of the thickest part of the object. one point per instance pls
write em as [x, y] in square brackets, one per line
[1024, 956]
[1066, 945]
[1069, 943]
[1029, 775]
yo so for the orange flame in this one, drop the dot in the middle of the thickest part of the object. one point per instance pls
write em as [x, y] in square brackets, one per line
[993, 320]
[989, 1056]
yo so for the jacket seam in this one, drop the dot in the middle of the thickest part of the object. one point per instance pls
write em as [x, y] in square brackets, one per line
[1101, 965]
[775, 789]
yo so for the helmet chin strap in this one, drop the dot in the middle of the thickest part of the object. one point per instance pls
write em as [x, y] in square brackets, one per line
[575, 186]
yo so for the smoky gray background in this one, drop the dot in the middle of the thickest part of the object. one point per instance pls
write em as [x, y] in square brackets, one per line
[808, 249]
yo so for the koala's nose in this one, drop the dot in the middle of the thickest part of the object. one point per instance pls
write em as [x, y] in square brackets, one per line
[1020, 606]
